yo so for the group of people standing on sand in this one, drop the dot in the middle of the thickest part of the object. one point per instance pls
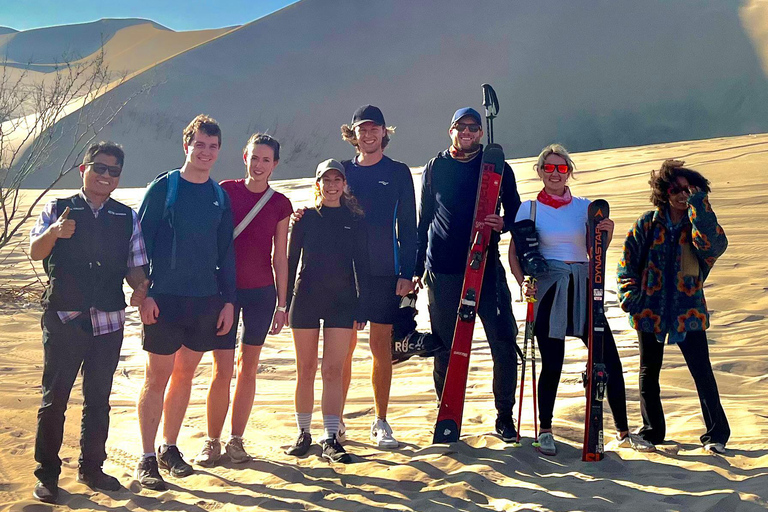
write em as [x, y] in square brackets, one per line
[201, 255]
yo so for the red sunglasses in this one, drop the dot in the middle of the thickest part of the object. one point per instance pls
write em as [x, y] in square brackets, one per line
[561, 168]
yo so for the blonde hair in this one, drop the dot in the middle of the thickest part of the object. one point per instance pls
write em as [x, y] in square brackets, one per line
[555, 149]
[348, 135]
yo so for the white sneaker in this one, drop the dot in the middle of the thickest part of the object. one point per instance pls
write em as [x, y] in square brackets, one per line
[210, 453]
[236, 451]
[636, 442]
[341, 436]
[718, 448]
[547, 444]
[381, 432]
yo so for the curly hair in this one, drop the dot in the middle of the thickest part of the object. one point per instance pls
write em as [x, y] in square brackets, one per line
[667, 175]
[203, 123]
[347, 199]
[348, 135]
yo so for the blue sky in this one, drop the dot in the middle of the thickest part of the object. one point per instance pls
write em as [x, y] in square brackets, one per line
[174, 14]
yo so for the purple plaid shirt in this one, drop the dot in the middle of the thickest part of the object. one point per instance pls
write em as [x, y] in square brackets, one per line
[103, 322]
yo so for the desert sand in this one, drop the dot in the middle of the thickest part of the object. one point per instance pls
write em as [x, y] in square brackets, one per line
[595, 75]
[480, 472]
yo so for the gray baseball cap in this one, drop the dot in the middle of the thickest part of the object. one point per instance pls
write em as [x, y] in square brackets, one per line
[329, 165]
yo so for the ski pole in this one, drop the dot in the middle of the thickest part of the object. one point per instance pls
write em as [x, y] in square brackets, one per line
[491, 105]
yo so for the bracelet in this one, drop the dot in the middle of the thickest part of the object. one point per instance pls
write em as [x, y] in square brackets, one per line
[282, 309]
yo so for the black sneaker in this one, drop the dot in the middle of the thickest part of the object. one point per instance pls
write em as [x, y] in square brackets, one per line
[334, 452]
[505, 427]
[148, 475]
[46, 491]
[301, 446]
[170, 458]
[95, 478]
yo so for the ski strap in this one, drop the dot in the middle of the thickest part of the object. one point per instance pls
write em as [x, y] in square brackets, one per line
[252, 214]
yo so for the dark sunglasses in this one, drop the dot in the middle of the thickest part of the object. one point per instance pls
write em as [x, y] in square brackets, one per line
[460, 127]
[561, 168]
[99, 168]
[676, 189]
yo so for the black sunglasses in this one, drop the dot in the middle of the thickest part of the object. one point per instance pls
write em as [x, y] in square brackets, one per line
[99, 168]
[676, 189]
[460, 127]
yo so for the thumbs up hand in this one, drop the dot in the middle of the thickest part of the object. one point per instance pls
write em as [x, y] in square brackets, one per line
[63, 227]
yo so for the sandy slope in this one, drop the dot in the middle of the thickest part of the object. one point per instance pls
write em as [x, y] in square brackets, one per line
[479, 473]
[593, 75]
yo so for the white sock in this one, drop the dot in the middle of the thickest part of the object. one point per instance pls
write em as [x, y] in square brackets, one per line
[331, 425]
[148, 455]
[304, 421]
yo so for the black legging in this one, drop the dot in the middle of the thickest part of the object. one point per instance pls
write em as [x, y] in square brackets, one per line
[552, 352]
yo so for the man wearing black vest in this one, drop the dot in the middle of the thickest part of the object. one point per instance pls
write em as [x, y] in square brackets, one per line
[448, 196]
[88, 243]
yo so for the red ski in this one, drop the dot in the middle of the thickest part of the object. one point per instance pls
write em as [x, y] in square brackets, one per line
[448, 426]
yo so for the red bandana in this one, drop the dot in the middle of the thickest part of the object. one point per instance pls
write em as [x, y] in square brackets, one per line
[555, 201]
[463, 156]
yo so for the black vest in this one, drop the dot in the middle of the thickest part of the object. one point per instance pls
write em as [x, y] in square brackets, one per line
[88, 269]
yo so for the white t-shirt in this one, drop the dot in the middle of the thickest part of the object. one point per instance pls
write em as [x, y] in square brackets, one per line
[562, 231]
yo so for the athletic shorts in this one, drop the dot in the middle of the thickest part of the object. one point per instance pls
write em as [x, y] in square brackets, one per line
[257, 306]
[384, 301]
[188, 321]
[336, 310]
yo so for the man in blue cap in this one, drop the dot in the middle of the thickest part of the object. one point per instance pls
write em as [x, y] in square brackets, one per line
[448, 196]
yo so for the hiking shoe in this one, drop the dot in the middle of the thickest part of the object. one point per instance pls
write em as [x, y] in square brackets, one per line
[636, 442]
[301, 446]
[148, 475]
[334, 452]
[718, 448]
[547, 443]
[505, 427]
[381, 432]
[236, 451]
[341, 436]
[170, 458]
[47, 491]
[210, 453]
[96, 479]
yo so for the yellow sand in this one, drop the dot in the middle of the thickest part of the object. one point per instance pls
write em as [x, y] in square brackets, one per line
[480, 472]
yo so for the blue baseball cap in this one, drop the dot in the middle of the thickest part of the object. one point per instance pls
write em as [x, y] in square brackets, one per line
[467, 111]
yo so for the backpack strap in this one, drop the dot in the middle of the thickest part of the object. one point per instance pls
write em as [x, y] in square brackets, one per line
[533, 212]
[252, 214]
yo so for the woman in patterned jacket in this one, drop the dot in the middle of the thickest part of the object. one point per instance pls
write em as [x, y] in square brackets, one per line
[667, 256]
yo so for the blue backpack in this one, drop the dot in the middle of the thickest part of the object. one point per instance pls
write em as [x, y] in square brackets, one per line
[170, 200]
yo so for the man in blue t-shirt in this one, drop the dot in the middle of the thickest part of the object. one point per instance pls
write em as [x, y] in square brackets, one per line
[187, 223]
[447, 209]
[384, 188]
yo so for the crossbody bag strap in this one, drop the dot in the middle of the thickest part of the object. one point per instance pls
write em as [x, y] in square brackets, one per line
[254, 211]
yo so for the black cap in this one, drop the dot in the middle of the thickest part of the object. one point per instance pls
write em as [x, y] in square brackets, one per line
[367, 113]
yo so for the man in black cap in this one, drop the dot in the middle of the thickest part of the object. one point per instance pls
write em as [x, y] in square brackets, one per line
[448, 196]
[384, 188]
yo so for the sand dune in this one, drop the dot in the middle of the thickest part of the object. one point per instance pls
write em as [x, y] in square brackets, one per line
[593, 75]
[480, 472]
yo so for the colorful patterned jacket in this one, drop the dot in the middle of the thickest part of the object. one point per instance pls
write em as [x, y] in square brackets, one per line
[663, 291]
